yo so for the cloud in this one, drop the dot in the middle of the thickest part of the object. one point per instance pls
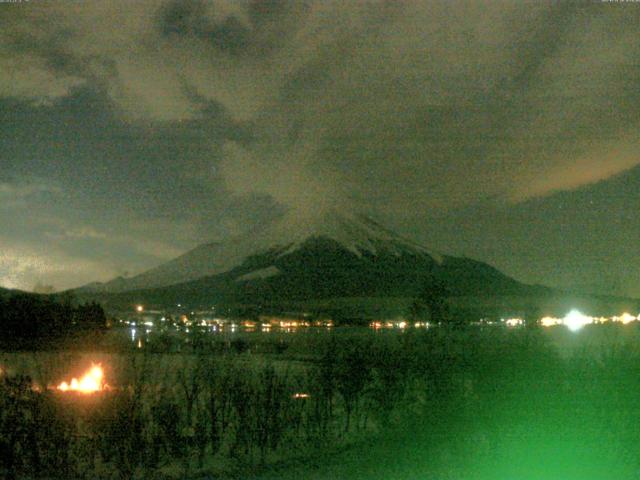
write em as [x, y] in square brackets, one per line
[19, 265]
[57, 243]
[18, 193]
[84, 232]
[9, 190]
[32, 52]
[605, 161]
[42, 288]
[134, 236]
[442, 105]
[70, 257]
[387, 105]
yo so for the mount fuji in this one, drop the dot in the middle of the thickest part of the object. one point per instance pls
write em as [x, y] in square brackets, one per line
[334, 255]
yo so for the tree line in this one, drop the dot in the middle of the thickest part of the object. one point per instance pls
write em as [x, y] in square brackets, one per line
[30, 321]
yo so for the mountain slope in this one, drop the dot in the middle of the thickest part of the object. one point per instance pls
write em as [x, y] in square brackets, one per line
[9, 292]
[5, 292]
[357, 234]
[299, 261]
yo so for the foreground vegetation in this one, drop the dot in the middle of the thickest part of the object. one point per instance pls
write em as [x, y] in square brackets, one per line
[465, 404]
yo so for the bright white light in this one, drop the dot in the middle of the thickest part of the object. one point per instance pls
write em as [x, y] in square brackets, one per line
[574, 320]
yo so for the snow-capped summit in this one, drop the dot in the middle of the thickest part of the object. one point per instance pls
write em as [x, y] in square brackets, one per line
[358, 234]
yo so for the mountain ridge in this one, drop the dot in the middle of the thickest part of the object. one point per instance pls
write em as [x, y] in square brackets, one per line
[348, 256]
[357, 233]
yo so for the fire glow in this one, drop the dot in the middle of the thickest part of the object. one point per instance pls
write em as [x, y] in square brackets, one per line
[91, 382]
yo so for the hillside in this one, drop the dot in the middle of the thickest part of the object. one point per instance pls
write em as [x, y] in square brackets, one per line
[293, 263]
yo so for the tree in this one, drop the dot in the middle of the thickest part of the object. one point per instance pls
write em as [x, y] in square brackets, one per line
[431, 303]
[30, 321]
[90, 316]
[532, 314]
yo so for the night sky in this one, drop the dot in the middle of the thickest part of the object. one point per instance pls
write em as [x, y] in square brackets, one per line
[133, 131]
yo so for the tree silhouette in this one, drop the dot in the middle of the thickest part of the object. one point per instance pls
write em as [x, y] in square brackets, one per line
[431, 303]
[29, 321]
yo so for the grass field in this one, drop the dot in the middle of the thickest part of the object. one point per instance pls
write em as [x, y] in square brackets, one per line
[494, 404]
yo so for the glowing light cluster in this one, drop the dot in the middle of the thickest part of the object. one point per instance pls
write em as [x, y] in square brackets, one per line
[300, 395]
[575, 320]
[625, 318]
[398, 323]
[514, 322]
[92, 381]
[550, 321]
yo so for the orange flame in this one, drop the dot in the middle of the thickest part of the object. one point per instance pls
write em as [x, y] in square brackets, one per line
[92, 381]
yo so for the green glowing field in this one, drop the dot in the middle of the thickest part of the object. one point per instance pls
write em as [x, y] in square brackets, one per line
[548, 405]
[468, 404]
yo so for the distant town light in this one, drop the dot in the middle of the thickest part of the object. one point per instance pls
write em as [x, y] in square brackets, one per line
[626, 317]
[550, 321]
[139, 309]
[514, 322]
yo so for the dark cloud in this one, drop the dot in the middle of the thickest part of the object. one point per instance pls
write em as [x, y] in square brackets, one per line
[259, 28]
[229, 35]
[183, 18]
